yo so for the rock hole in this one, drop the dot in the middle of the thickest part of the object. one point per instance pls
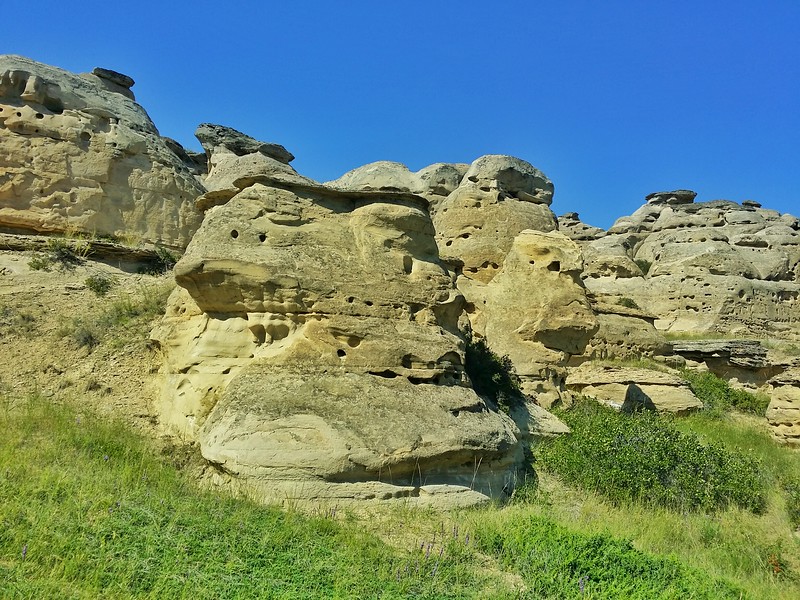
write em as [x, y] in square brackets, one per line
[408, 264]
[554, 266]
[262, 237]
[533, 262]
[353, 341]
[368, 302]
[85, 137]
[406, 361]
[19, 114]
[54, 105]
[39, 116]
[350, 300]
[234, 234]
[341, 353]
[226, 371]
[449, 243]
[455, 413]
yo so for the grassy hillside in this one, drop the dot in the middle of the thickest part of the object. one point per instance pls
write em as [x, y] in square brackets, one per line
[89, 509]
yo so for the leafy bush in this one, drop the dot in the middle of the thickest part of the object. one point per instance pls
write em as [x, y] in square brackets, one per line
[642, 457]
[558, 563]
[61, 252]
[718, 396]
[100, 284]
[644, 265]
[628, 302]
[492, 375]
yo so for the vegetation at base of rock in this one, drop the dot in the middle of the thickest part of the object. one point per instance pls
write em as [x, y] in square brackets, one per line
[628, 302]
[100, 284]
[492, 375]
[88, 506]
[718, 396]
[644, 265]
[120, 315]
[558, 563]
[163, 262]
[66, 254]
[643, 458]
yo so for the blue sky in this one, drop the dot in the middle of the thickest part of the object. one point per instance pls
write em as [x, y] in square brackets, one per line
[612, 100]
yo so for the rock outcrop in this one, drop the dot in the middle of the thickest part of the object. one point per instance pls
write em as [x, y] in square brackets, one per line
[313, 352]
[703, 267]
[630, 389]
[78, 154]
[783, 412]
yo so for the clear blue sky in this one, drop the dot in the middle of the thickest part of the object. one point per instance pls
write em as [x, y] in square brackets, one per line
[612, 99]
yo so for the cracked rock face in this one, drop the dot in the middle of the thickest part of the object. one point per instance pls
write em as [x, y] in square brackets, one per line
[78, 154]
[313, 352]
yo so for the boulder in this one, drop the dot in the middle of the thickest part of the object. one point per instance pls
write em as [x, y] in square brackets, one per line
[629, 389]
[79, 155]
[313, 352]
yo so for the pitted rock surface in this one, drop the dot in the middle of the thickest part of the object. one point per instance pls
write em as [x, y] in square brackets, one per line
[78, 154]
[313, 351]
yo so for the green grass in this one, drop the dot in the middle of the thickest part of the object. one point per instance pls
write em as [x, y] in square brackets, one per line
[87, 510]
[718, 396]
[123, 320]
[644, 458]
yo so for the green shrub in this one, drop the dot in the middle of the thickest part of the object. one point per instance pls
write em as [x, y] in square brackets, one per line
[791, 488]
[100, 284]
[492, 375]
[642, 457]
[628, 302]
[644, 265]
[718, 396]
[40, 262]
[558, 563]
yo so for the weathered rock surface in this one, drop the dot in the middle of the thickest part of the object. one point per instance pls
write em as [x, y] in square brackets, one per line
[703, 267]
[629, 389]
[783, 412]
[78, 154]
[571, 225]
[313, 351]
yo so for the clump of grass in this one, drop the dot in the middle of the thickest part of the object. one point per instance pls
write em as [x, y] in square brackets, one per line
[628, 302]
[14, 321]
[492, 375]
[718, 396]
[644, 265]
[643, 458]
[100, 284]
[66, 254]
[558, 563]
[163, 262]
[125, 319]
[791, 487]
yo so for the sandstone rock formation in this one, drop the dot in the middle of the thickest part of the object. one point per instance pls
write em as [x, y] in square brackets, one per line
[783, 413]
[629, 389]
[702, 267]
[78, 154]
[313, 351]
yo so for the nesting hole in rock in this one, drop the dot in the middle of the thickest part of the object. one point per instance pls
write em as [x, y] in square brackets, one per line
[234, 234]
[368, 302]
[448, 243]
[54, 105]
[39, 116]
[533, 262]
[226, 371]
[262, 237]
[554, 266]
[353, 341]
[341, 353]
[350, 299]
[85, 136]
[19, 114]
